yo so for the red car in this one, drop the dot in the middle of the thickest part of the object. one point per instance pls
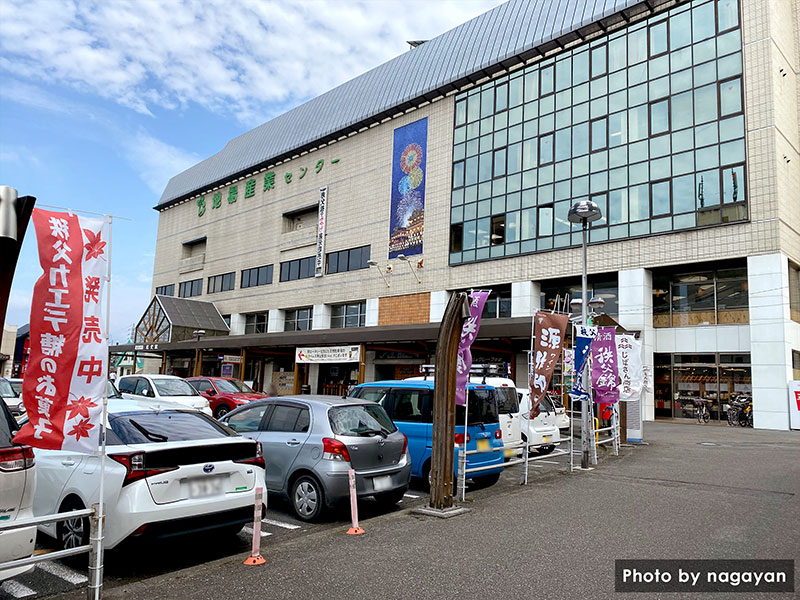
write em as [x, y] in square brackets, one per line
[224, 394]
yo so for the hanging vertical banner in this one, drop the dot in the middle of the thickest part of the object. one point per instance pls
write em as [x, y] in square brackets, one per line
[469, 331]
[604, 366]
[407, 217]
[583, 343]
[66, 378]
[631, 372]
[319, 265]
[548, 332]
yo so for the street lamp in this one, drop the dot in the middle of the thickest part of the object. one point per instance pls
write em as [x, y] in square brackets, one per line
[584, 212]
[374, 263]
[198, 357]
[404, 258]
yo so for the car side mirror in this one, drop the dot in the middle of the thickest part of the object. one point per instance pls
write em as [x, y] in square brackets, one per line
[211, 392]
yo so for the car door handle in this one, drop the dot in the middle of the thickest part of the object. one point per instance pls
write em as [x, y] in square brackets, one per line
[293, 443]
[67, 462]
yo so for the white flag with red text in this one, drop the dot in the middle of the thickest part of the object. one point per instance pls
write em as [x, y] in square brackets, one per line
[65, 379]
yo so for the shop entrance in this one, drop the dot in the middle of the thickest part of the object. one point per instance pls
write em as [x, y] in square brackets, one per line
[335, 379]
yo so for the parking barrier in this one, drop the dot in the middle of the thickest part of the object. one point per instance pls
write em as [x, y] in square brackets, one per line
[354, 529]
[93, 590]
[255, 557]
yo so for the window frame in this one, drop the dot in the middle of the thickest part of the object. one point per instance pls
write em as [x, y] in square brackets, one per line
[193, 285]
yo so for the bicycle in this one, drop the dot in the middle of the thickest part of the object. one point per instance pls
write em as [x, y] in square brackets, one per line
[701, 412]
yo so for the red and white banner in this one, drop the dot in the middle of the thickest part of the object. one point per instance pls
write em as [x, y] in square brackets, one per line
[65, 381]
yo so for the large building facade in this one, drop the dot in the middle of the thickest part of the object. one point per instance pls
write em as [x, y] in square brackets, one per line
[461, 159]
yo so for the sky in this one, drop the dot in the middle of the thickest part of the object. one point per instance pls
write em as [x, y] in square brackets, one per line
[101, 102]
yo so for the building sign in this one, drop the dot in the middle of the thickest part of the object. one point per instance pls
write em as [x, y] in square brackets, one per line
[249, 189]
[328, 354]
[145, 347]
[319, 265]
[231, 358]
[407, 216]
[65, 381]
[227, 370]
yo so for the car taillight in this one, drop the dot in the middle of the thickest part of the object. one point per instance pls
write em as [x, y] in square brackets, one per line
[258, 460]
[334, 450]
[135, 468]
[405, 444]
[16, 458]
[498, 434]
[460, 438]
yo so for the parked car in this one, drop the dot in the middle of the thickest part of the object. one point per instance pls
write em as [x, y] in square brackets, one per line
[542, 432]
[11, 398]
[17, 485]
[556, 405]
[311, 442]
[163, 388]
[409, 402]
[16, 385]
[168, 470]
[224, 394]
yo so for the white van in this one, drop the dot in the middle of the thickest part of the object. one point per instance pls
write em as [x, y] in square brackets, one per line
[542, 432]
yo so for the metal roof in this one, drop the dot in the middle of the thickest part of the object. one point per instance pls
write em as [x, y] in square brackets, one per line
[506, 35]
[195, 314]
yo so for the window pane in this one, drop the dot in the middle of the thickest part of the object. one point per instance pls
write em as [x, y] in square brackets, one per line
[639, 202]
[703, 21]
[707, 188]
[545, 149]
[733, 184]
[598, 134]
[658, 39]
[562, 141]
[580, 139]
[705, 104]
[730, 97]
[563, 73]
[637, 123]
[546, 221]
[618, 206]
[580, 67]
[682, 110]
[680, 29]
[727, 14]
[637, 46]
[659, 117]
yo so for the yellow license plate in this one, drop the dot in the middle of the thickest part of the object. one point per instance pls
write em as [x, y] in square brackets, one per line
[509, 453]
[483, 445]
[546, 438]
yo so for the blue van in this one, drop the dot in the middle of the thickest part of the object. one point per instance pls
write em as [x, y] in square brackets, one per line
[409, 403]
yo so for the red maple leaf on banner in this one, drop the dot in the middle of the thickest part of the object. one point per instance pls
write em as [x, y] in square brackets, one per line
[80, 407]
[94, 247]
[81, 429]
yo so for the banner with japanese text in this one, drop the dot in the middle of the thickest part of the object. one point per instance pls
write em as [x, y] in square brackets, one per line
[583, 343]
[65, 381]
[407, 206]
[631, 370]
[469, 331]
[548, 333]
[604, 366]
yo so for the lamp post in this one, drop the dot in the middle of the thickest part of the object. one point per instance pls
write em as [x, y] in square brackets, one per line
[404, 258]
[198, 354]
[584, 212]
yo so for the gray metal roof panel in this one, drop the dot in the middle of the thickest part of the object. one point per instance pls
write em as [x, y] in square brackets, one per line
[197, 314]
[507, 30]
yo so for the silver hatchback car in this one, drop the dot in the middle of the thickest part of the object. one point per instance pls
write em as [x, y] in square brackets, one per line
[311, 442]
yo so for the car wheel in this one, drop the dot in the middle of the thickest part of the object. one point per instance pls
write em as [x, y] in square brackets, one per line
[72, 533]
[486, 480]
[426, 475]
[545, 449]
[390, 498]
[308, 499]
[222, 410]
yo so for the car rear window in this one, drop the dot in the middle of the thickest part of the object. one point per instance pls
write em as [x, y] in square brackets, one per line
[359, 419]
[507, 400]
[166, 426]
[482, 408]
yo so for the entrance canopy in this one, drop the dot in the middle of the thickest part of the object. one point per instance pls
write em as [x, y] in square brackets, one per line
[169, 319]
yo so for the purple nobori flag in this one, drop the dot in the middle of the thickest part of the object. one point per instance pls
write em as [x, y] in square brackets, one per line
[604, 366]
[468, 334]
[583, 342]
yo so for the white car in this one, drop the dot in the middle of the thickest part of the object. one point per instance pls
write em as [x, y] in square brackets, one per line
[11, 398]
[168, 470]
[17, 484]
[554, 404]
[162, 387]
[542, 432]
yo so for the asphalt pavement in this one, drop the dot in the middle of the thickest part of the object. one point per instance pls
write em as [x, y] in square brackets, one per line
[693, 492]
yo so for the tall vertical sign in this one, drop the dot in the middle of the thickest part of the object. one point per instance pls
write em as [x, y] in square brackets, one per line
[604, 366]
[319, 265]
[469, 331]
[548, 341]
[407, 217]
[65, 381]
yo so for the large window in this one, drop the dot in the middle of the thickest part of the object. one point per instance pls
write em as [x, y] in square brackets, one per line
[348, 260]
[300, 268]
[255, 322]
[794, 292]
[256, 276]
[647, 122]
[602, 286]
[353, 314]
[298, 319]
[166, 290]
[713, 297]
[187, 289]
[220, 283]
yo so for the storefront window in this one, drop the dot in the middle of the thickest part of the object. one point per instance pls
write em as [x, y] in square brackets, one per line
[601, 287]
[298, 319]
[255, 323]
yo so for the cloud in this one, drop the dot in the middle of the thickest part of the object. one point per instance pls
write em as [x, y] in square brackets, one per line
[156, 161]
[245, 58]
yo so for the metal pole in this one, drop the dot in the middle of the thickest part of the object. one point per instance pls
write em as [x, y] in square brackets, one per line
[462, 458]
[585, 375]
[94, 590]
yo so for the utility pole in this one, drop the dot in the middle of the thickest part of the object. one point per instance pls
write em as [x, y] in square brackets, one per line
[15, 212]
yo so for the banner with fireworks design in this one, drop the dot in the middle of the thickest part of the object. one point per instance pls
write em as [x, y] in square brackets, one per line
[407, 218]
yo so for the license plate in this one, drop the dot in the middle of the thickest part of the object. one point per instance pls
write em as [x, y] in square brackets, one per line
[205, 486]
[382, 483]
[509, 453]
[483, 445]
[546, 438]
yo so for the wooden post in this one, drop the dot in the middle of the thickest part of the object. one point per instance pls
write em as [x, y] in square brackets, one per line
[444, 401]
[362, 363]
[133, 371]
[242, 364]
[296, 378]
[163, 370]
[623, 422]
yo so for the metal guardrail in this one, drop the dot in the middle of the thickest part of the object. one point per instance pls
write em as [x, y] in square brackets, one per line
[94, 591]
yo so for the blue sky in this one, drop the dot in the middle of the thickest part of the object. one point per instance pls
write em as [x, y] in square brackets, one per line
[101, 102]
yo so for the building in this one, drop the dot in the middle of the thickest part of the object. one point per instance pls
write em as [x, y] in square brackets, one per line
[461, 157]
[7, 342]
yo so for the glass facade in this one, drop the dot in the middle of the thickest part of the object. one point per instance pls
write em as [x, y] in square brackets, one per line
[647, 122]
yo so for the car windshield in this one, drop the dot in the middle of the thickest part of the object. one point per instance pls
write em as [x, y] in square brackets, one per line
[112, 391]
[165, 426]
[6, 391]
[556, 401]
[232, 386]
[174, 387]
[360, 419]
[507, 401]
[482, 408]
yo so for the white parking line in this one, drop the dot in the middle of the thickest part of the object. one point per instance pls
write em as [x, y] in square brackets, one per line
[63, 572]
[280, 524]
[410, 496]
[249, 531]
[16, 589]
